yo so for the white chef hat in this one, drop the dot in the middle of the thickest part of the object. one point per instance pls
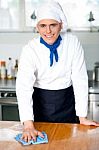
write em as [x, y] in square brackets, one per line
[52, 10]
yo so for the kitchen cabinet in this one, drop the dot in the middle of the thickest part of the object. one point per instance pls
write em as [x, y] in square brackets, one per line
[10, 112]
[93, 104]
[93, 111]
[90, 113]
[9, 109]
[96, 111]
[8, 101]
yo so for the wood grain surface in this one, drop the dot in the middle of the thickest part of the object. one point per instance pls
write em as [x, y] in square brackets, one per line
[61, 136]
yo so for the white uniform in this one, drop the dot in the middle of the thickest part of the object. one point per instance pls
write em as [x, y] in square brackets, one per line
[34, 70]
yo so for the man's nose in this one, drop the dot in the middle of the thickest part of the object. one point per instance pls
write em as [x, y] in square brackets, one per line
[48, 29]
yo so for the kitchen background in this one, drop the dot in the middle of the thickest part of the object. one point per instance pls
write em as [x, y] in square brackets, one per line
[11, 44]
[17, 27]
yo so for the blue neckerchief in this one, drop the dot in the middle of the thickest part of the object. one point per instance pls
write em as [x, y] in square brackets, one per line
[53, 48]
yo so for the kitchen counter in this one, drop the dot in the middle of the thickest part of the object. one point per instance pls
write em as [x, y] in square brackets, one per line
[61, 136]
[10, 85]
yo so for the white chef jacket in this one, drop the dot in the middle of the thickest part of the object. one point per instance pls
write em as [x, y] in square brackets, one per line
[34, 71]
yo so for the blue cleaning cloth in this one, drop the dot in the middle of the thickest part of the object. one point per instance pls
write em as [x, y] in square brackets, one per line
[39, 139]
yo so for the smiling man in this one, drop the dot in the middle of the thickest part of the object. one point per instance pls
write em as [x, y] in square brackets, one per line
[52, 82]
[49, 30]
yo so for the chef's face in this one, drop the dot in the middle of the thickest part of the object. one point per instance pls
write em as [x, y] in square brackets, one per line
[49, 30]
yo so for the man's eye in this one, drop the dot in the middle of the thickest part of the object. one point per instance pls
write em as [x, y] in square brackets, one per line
[42, 25]
[54, 25]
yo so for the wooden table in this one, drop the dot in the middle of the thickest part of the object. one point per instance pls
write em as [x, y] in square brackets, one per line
[61, 137]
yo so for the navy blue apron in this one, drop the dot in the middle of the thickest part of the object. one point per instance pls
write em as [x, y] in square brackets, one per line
[57, 106]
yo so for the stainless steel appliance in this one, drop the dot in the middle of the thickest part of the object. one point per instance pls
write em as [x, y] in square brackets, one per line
[93, 111]
[8, 101]
[94, 106]
[96, 71]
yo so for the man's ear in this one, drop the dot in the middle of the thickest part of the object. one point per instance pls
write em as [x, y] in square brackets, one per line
[61, 25]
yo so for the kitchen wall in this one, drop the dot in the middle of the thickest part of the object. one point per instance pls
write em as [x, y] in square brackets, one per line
[90, 43]
[11, 44]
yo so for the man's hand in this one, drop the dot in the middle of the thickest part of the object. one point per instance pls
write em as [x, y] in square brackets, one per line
[85, 121]
[29, 131]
